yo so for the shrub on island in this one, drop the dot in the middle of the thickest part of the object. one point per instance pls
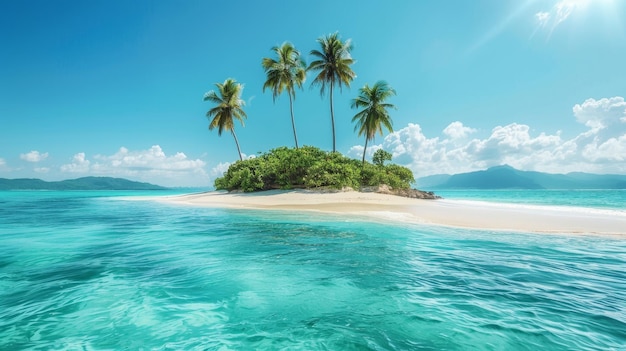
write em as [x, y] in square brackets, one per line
[309, 167]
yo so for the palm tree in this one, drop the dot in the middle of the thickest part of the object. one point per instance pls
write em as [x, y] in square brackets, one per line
[229, 106]
[333, 63]
[285, 73]
[374, 115]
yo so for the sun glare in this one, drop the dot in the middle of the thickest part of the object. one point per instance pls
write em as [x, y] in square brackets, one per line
[584, 10]
[587, 4]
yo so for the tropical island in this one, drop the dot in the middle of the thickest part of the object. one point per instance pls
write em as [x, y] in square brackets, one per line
[308, 178]
[310, 167]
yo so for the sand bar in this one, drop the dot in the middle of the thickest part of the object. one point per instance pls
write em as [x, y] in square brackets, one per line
[465, 214]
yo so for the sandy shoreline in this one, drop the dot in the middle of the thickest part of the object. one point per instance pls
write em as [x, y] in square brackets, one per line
[432, 212]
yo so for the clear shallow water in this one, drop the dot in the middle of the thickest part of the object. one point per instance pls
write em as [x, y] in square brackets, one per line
[85, 271]
[596, 199]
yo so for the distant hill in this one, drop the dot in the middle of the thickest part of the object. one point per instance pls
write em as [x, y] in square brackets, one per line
[85, 183]
[507, 177]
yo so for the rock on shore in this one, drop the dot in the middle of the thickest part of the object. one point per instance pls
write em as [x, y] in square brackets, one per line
[411, 193]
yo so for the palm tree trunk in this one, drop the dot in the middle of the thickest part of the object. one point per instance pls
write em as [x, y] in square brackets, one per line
[364, 150]
[237, 143]
[332, 115]
[293, 121]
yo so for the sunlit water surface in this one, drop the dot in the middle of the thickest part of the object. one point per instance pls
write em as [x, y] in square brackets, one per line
[90, 271]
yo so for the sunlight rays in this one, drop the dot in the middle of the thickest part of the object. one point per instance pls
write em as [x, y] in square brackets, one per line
[548, 20]
[501, 26]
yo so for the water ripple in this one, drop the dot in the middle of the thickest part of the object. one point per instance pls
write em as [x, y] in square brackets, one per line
[100, 274]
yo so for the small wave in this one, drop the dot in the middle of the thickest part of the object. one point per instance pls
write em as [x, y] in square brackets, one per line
[110, 275]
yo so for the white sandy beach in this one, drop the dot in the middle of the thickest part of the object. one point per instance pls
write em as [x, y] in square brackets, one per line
[434, 212]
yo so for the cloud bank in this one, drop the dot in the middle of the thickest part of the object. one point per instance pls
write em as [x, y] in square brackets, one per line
[600, 149]
[152, 165]
[34, 156]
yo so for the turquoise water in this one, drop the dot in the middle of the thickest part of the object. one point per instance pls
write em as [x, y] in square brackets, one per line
[92, 271]
[596, 199]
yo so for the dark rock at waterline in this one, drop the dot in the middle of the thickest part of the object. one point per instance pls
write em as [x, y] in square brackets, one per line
[410, 193]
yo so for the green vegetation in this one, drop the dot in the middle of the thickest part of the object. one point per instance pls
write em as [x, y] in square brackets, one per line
[285, 73]
[229, 105]
[374, 115]
[380, 156]
[310, 167]
[333, 63]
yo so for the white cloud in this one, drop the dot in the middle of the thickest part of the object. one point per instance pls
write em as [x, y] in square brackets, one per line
[456, 130]
[4, 167]
[610, 151]
[34, 156]
[42, 169]
[600, 149]
[152, 165]
[357, 151]
[153, 159]
[220, 169]
[79, 164]
[601, 113]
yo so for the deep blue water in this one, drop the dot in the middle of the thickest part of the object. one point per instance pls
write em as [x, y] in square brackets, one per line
[92, 271]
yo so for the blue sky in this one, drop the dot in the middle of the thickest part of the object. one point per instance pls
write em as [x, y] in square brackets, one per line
[114, 88]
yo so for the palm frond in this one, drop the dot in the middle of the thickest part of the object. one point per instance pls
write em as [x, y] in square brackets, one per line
[374, 116]
[228, 105]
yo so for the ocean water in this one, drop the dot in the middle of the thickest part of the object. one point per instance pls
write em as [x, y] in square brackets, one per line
[93, 271]
[585, 198]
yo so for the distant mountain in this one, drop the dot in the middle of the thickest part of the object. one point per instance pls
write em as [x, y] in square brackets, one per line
[507, 177]
[432, 181]
[85, 183]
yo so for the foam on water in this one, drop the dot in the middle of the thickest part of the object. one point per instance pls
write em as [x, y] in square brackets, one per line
[79, 272]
